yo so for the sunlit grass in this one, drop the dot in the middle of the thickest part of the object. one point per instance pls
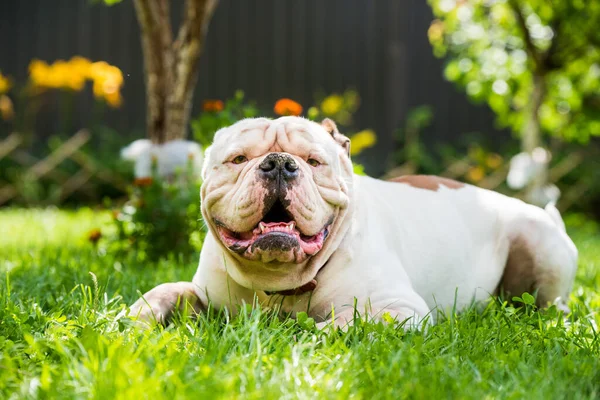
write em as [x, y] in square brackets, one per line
[63, 335]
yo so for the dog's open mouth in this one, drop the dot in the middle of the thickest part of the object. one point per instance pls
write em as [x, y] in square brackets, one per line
[274, 238]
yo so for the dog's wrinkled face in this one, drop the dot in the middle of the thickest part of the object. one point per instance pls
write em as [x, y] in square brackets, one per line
[273, 189]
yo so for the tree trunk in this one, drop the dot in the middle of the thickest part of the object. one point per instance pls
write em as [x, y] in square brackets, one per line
[531, 137]
[531, 134]
[171, 66]
[532, 131]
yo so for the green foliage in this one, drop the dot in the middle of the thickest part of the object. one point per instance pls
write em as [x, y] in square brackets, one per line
[339, 107]
[161, 218]
[63, 334]
[359, 169]
[495, 49]
[217, 115]
[409, 144]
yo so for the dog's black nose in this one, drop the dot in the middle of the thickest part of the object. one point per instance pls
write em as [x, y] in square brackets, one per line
[279, 164]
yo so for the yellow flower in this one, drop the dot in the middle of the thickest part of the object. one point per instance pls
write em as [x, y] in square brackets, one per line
[332, 104]
[475, 174]
[38, 72]
[493, 160]
[6, 108]
[436, 31]
[60, 75]
[80, 65]
[79, 69]
[4, 84]
[108, 80]
[313, 113]
[476, 153]
[362, 140]
[66, 77]
[113, 99]
[73, 75]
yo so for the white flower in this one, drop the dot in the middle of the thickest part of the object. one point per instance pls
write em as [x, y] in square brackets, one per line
[169, 157]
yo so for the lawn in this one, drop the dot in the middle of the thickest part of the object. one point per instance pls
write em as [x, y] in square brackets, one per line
[63, 335]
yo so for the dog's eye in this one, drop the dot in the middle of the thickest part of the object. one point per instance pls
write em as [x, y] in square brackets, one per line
[239, 160]
[313, 163]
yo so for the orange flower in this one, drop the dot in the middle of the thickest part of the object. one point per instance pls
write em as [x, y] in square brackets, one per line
[142, 182]
[287, 107]
[94, 235]
[213, 105]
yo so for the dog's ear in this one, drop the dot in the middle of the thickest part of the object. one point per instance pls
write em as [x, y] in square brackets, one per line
[341, 139]
[205, 162]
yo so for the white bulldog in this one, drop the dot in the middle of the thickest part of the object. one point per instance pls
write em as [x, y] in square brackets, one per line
[291, 226]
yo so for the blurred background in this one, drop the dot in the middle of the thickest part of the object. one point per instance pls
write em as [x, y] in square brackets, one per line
[504, 94]
[270, 49]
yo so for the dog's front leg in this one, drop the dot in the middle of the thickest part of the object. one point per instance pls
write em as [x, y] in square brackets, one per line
[412, 313]
[159, 304]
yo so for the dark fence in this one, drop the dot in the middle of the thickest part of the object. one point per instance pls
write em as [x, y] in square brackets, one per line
[268, 48]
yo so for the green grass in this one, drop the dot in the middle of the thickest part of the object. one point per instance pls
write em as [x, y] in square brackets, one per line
[63, 335]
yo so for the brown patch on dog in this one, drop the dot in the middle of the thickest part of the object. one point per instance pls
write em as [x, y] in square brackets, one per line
[519, 273]
[428, 182]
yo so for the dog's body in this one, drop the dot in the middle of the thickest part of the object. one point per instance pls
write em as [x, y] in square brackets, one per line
[404, 248]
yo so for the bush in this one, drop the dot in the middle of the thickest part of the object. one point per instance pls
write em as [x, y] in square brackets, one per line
[161, 217]
[218, 114]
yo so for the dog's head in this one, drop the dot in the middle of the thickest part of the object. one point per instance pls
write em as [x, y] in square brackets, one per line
[275, 193]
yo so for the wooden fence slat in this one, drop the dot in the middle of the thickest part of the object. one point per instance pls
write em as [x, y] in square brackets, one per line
[573, 194]
[565, 166]
[75, 182]
[408, 168]
[495, 179]
[68, 148]
[9, 144]
[27, 160]
[47, 167]
[88, 163]
[457, 169]
[7, 192]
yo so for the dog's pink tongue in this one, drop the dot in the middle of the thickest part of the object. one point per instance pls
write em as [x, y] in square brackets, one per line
[313, 244]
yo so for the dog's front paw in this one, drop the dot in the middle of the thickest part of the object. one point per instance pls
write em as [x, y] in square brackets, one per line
[408, 318]
[158, 305]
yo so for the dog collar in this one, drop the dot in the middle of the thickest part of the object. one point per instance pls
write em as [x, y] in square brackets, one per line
[307, 287]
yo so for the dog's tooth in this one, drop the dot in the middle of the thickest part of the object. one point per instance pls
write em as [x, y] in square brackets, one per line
[292, 225]
[262, 227]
